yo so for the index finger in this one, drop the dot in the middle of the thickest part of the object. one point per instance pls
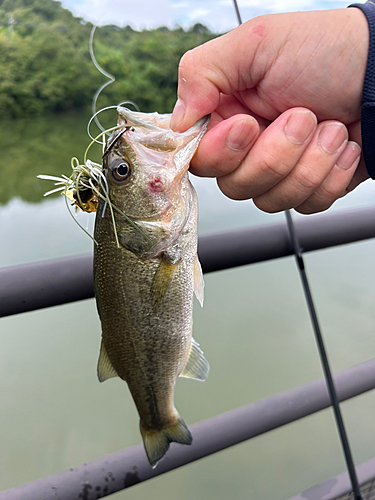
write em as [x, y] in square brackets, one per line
[218, 66]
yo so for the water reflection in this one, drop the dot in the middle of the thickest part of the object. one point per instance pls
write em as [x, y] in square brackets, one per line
[254, 329]
[42, 145]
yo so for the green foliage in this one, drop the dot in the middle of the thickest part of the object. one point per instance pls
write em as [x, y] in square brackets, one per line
[45, 64]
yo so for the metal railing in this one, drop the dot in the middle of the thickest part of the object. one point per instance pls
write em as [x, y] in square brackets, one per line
[130, 466]
[44, 284]
[339, 487]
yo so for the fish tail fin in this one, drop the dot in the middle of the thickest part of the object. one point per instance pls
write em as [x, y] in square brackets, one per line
[156, 442]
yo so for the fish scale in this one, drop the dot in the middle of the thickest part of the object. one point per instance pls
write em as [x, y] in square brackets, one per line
[144, 286]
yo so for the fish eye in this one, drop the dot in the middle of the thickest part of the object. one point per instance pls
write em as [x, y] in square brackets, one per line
[121, 171]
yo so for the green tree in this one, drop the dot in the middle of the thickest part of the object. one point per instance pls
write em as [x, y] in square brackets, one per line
[45, 64]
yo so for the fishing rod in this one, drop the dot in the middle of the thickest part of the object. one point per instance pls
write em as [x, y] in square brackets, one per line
[323, 356]
[297, 249]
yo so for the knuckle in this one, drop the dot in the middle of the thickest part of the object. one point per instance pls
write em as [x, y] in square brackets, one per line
[230, 190]
[307, 178]
[308, 208]
[274, 166]
[266, 205]
[325, 193]
[186, 61]
[321, 199]
[223, 168]
[203, 165]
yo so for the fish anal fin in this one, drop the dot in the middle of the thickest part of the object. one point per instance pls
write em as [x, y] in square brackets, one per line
[105, 368]
[161, 281]
[196, 366]
[156, 442]
[198, 281]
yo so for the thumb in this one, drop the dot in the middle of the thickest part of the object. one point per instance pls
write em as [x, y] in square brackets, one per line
[219, 66]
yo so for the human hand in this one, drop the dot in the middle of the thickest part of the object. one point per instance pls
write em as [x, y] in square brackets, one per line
[251, 79]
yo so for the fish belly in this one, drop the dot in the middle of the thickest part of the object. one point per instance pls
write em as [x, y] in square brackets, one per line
[147, 343]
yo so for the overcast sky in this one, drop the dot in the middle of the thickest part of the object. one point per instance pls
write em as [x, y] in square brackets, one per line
[218, 15]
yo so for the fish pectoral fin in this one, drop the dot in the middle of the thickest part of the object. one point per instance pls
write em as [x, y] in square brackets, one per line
[196, 366]
[162, 278]
[198, 281]
[156, 442]
[105, 368]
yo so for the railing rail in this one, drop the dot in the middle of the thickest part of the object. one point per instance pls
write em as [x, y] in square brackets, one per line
[43, 284]
[128, 467]
[339, 487]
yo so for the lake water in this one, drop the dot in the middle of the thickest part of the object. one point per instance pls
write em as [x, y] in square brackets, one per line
[254, 329]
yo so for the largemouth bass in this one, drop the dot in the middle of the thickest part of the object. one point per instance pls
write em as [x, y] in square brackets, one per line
[145, 278]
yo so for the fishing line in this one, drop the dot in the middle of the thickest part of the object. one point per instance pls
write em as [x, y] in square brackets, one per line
[94, 117]
[76, 221]
[111, 79]
[90, 171]
[320, 343]
[106, 132]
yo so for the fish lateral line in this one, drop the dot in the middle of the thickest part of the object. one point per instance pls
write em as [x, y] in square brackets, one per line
[149, 331]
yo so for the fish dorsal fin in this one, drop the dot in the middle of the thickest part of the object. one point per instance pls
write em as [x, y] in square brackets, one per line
[196, 366]
[160, 283]
[105, 368]
[198, 281]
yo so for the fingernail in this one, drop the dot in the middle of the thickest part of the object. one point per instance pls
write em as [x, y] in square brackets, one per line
[332, 136]
[349, 156]
[300, 126]
[177, 115]
[241, 134]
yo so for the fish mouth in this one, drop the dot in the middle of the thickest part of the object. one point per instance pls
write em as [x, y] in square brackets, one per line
[152, 131]
[159, 124]
[151, 121]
